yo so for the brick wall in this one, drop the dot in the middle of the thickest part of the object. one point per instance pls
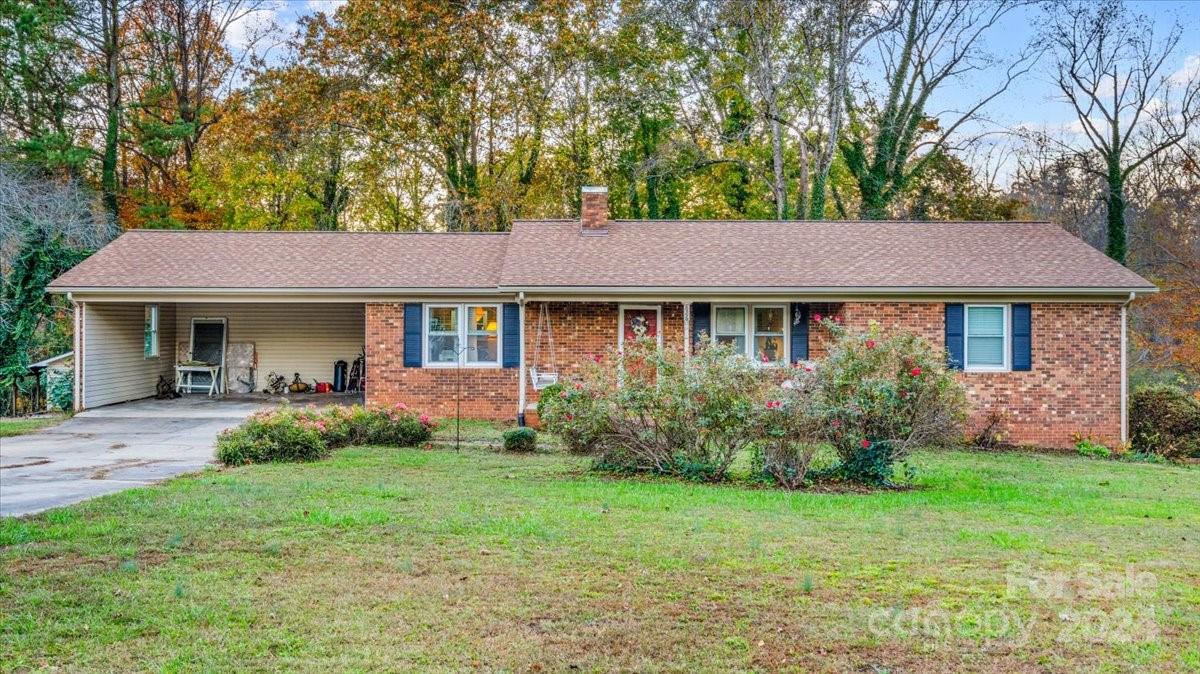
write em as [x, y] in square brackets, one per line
[580, 329]
[487, 393]
[1074, 386]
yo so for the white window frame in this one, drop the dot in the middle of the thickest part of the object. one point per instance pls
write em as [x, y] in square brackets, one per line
[1006, 322]
[462, 331]
[657, 308]
[155, 351]
[752, 331]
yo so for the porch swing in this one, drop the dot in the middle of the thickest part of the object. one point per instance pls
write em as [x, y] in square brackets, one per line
[542, 378]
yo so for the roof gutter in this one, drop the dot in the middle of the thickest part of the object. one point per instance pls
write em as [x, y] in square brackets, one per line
[357, 291]
[824, 290]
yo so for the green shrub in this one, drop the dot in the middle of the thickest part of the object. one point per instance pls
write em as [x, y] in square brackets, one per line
[1093, 449]
[520, 440]
[282, 435]
[60, 389]
[1164, 420]
[647, 410]
[287, 434]
[389, 426]
[572, 414]
[881, 396]
[650, 410]
[789, 436]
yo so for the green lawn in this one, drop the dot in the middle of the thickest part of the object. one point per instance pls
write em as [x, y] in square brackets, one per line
[385, 559]
[10, 426]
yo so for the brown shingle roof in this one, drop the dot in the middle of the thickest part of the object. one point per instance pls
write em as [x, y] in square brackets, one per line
[224, 259]
[831, 254]
[632, 254]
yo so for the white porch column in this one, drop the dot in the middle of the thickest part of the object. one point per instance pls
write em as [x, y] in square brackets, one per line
[77, 385]
[521, 360]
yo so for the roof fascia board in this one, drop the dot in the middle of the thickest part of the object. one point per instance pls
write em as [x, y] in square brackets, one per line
[825, 292]
[221, 295]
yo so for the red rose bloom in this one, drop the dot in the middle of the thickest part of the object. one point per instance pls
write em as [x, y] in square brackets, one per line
[817, 317]
[866, 444]
[916, 372]
[870, 344]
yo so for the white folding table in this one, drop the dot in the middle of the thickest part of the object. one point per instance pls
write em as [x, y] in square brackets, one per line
[214, 378]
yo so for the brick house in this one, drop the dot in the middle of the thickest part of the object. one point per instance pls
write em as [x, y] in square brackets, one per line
[1033, 317]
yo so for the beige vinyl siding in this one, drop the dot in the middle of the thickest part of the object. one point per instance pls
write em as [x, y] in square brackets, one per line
[115, 367]
[288, 337]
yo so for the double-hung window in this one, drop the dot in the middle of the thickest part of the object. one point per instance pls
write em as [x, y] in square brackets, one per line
[987, 334]
[150, 332]
[755, 330]
[462, 334]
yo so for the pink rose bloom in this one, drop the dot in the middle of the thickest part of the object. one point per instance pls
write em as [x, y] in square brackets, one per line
[424, 419]
[870, 344]
[597, 357]
[401, 406]
[578, 386]
[563, 395]
[817, 317]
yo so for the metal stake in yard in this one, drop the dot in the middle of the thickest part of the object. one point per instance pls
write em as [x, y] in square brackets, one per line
[458, 396]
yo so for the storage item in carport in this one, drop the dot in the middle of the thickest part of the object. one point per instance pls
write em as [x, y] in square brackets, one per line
[298, 386]
[339, 376]
[324, 387]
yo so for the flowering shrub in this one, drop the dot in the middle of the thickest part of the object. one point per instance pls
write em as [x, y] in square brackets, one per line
[789, 433]
[646, 410]
[650, 410]
[287, 434]
[281, 435]
[571, 412]
[880, 396]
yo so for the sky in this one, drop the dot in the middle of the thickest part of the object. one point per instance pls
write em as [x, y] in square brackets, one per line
[1032, 102]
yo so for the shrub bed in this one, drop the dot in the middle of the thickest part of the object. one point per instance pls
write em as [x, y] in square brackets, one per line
[1165, 421]
[287, 434]
[650, 410]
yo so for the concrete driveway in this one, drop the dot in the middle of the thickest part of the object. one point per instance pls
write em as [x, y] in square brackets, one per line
[112, 448]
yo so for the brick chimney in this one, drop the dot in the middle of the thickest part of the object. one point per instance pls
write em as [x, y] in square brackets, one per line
[593, 210]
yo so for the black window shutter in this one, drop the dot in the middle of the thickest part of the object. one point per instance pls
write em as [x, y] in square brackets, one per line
[512, 334]
[412, 334]
[954, 336]
[799, 332]
[701, 321]
[1022, 337]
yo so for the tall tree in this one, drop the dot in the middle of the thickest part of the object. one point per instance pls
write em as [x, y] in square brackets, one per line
[936, 42]
[847, 26]
[1113, 70]
[41, 84]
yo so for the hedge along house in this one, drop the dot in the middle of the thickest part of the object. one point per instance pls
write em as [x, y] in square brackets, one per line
[1032, 316]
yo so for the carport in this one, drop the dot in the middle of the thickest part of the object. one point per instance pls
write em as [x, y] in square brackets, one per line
[126, 346]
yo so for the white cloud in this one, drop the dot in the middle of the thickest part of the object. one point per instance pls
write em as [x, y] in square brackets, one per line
[327, 6]
[242, 32]
[1189, 71]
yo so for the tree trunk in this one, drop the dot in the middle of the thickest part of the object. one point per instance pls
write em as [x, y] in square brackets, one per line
[112, 85]
[1115, 203]
[779, 186]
